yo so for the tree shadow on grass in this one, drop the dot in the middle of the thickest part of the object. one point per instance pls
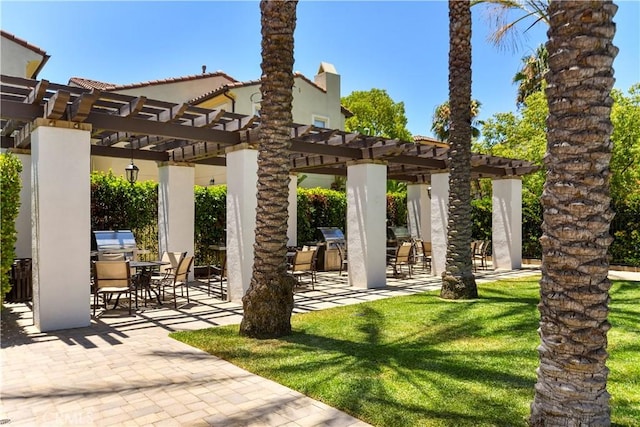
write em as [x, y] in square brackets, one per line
[434, 378]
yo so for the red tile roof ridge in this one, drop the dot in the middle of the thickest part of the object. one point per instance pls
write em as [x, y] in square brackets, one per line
[311, 82]
[237, 84]
[89, 84]
[23, 42]
[177, 79]
[92, 84]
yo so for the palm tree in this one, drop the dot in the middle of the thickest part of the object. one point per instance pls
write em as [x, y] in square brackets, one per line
[572, 378]
[441, 120]
[458, 280]
[268, 302]
[505, 31]
[531, 76]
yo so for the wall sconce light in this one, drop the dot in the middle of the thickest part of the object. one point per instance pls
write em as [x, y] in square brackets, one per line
[212, 181]
[429, 191]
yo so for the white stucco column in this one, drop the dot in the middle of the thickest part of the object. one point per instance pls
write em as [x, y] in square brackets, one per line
[176, 209]
[366, 224]
[439, 220]
[419, 210]
[242, 182]
[23, 221]
[292, 223]
[507, 224]
[61, 209]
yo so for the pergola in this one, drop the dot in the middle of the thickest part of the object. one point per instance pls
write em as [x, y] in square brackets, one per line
[56, 128]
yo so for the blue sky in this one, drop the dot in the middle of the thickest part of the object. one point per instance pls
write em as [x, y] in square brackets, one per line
[398, 46]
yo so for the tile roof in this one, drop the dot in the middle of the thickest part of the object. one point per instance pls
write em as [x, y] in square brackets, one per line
[237, 84]
[94, 84]
[23, 43]
[91, 84]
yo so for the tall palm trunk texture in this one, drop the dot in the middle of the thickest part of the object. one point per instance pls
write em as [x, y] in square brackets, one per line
[458, 281]
[571, 389]
[268, 302]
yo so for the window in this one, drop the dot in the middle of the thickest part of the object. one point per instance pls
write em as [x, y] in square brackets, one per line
[320, 121]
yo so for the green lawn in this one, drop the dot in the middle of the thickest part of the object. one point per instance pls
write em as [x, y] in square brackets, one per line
[422, 361]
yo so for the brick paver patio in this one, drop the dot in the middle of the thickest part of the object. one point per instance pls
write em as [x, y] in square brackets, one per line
[126, 370]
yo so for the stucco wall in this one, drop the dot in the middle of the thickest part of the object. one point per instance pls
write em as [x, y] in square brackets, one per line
[15, 59]
[180, 91]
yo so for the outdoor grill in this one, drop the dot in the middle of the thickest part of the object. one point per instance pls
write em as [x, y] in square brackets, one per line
[328, 253]
[397, 235]
[113, 241]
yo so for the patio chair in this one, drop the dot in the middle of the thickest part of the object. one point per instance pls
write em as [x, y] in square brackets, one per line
[402, 257]
[218, 273]
[480, 253]
[426, 254]
[304, 264]
[165, 271]
[111, 278]
[178, 279]
[342, 250]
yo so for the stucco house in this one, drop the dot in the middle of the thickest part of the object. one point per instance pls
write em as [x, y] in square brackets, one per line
[19, 57]
[315, 102]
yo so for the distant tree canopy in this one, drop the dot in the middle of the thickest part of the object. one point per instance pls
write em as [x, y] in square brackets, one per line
[441, 120]
[530, 77]
[625, 160]
[376, 114]
[522, 135]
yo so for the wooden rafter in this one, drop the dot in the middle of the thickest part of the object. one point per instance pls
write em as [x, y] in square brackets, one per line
[81, 107]
[56, 106]
[37, 93]
[162, 130]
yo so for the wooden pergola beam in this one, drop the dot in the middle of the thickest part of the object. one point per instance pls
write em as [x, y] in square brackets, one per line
[125, 153]
[79, 110]
[56, 106]
[37, 93]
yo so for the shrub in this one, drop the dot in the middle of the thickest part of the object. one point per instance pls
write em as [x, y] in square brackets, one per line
[625, 229]
[117, 204]
[10, 168]
[210, 220]
[320, 207]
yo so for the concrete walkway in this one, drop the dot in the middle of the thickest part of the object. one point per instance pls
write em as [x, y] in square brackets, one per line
[126, 370]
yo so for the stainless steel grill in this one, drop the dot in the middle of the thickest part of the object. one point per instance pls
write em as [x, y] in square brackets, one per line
[113, 241]
[329, 257]
[397, 235]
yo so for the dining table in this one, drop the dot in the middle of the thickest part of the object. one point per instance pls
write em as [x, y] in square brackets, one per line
[142, 278]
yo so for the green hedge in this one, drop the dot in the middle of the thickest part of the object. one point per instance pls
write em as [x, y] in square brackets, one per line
[210, 221]
[625, 229]
[116, 204]
[319, 207]
[10, 168]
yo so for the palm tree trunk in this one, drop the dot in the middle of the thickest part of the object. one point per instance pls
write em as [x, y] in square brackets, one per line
[458, 281]
[571, 389]
[268, 302]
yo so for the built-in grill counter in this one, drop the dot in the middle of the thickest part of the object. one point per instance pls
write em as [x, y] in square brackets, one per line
[113, 241]
[328, 253]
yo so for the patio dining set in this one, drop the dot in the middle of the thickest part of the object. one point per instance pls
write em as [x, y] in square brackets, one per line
[118, 273]
[115, 276]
